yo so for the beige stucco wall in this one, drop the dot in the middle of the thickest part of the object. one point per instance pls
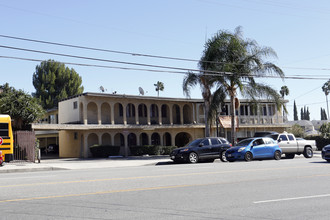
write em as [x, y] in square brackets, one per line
[68, 145]
[67, 114]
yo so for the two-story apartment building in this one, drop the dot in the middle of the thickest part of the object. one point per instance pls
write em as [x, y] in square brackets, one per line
[126, 120]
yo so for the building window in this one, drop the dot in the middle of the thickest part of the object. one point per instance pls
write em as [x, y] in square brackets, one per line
[75, 135]
[75, 105]
[264, 111]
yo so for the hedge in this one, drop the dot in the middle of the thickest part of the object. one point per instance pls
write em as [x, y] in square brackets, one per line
[104, 150]
[151, 150]
[320, 141]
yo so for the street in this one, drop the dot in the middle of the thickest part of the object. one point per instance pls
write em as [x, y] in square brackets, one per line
[287, 189]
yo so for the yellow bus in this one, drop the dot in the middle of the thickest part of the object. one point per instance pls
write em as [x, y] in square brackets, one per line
[6, 138]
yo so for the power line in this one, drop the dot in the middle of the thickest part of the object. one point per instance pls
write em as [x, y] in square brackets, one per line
[154, 70]
[98, 49]
[139, 54]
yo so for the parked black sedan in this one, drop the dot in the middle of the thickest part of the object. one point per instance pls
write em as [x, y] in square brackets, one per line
[326, 153]
[202, 149]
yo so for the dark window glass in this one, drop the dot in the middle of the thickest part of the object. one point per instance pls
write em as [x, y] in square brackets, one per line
[4, 130]
[291, 138]
[205, 142]
[283, 137]
[214, 141]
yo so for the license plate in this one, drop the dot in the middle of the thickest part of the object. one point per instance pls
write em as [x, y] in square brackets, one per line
[229, 155]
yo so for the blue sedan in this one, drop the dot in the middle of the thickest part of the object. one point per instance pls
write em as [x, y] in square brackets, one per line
[254, 148]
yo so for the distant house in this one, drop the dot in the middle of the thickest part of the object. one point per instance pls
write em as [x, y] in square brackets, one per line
[125, 120]
[318, 123]
[306, 125]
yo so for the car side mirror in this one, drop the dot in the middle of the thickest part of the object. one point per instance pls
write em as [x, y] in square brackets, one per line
[201, 144]
[279, 140]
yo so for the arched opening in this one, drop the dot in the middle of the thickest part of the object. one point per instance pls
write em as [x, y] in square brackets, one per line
[118, 113]
[187, 114]
[165, 114]
[106, 139]
[143, 116]
[155, 139]
[131, 139]
[92, 113]
[119, 140]
[144, 139]
[182, 138]
[154, 117]
[105, 113]
[176, 114]
[167, 139]
[201, 115]
[130, 113]
[92, 139]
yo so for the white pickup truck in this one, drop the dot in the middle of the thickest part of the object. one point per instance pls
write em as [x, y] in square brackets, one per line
[291, 146]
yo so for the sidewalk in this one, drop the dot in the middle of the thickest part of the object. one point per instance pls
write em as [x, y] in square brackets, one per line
[76, 163]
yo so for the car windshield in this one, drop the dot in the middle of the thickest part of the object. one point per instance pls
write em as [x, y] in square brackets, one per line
[195, 143]
[243, 143]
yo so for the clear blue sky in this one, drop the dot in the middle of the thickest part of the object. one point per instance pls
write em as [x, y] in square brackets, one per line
[298, 30]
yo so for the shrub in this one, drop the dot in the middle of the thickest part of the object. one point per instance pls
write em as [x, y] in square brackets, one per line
[104, 150]
[151, 150]
[320, 141]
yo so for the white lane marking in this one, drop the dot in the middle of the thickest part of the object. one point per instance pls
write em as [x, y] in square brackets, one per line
[294, 198]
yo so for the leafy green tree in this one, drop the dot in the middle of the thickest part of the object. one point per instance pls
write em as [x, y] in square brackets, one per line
[237, 61]
[325, 130]
[295, 112]
[53, 82]
[297, 130]
[159, 87]
[22, 107]
[302, 114]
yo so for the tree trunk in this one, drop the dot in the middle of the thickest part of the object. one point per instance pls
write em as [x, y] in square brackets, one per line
[232, 113]
[206, 112]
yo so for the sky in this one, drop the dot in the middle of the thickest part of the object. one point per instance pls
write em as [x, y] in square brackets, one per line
[298, 30]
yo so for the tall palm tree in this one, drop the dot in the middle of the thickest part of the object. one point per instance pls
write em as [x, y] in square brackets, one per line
[326, 90]
[238, 62]
[284, 91]
[159, 87]
[206, 83]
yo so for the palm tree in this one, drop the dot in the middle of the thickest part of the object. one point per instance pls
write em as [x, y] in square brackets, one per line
[238, 62]
[326, 90]
[284, 91]
[211, 101]
[159, 87]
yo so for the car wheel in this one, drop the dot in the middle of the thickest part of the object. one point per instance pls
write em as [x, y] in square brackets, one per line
[223, 156]
[193, 157]
[308, 152]
[328, 161]
[289, 156]
[277, 155]
[231, 160]
[248, 156]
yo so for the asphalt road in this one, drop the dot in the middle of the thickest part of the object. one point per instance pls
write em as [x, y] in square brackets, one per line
[268, 189]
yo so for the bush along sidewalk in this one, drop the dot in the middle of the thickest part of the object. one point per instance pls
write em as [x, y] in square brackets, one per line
[151, 150]
[103, 151]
